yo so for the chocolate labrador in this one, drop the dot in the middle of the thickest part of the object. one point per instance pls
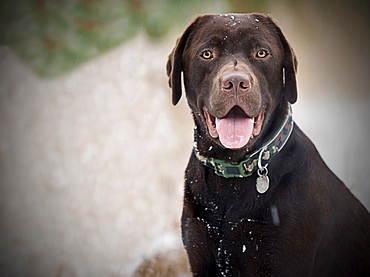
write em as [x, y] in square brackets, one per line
[259, 200]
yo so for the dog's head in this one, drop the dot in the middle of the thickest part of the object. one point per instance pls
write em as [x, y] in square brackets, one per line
[238, 71]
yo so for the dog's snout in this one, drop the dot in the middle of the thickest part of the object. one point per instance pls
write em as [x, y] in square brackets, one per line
[235, 83]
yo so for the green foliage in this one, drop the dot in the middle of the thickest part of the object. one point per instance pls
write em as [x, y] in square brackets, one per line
[54, 37]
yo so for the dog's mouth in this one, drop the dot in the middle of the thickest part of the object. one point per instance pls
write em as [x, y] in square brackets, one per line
[236, 128]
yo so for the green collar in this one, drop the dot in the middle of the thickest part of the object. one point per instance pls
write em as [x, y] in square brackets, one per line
[249, 165]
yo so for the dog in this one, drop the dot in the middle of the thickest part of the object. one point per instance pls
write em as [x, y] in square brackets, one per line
[258, 198]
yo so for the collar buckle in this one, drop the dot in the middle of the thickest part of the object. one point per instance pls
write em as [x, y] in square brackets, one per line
[229, 170]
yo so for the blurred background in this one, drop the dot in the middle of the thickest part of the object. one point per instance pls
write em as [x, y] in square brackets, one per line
[92, 153]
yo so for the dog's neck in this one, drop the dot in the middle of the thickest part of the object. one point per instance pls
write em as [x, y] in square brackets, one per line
[251, 161]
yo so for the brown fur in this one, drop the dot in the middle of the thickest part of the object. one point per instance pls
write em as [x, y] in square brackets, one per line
[228, 228]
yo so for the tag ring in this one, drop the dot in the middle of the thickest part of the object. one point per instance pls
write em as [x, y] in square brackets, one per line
[263, 171]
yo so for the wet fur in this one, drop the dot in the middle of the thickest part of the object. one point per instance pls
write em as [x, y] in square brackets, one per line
[307, 223]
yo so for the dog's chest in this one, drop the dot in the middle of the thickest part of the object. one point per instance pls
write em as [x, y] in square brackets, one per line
[239, 240]
[236, 220]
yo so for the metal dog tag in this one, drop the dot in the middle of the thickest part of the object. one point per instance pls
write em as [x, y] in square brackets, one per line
[262, 184]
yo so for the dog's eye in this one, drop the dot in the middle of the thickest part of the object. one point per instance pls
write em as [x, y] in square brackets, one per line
[207, 54]
[261, 54]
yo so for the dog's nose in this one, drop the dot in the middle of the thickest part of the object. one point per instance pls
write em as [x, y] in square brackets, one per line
[235, 83]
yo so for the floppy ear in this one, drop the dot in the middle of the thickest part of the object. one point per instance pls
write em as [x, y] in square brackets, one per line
[174, 64]
[290, 68]
[290, 71]
[174, 69]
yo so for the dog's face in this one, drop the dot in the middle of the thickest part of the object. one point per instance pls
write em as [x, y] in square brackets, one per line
[238, 69]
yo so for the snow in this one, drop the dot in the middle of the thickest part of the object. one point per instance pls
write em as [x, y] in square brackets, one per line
[86, 185]
[86, 189]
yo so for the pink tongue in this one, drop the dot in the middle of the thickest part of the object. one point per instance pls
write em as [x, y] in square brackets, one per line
[234, 132]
